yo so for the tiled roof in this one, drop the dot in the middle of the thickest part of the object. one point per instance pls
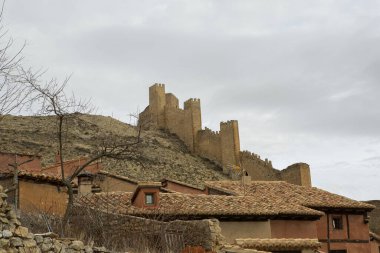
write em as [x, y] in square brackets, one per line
[71, 165]
[237, 249]
[164, 180]
[37, 176]
[43, 177]
[106, 173]
[186, 205]
[307, 196]
[278, 244]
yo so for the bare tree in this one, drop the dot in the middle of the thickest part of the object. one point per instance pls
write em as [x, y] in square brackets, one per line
[14, 91]
[54, 101]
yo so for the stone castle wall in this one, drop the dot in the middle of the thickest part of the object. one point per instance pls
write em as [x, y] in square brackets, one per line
[222, 147]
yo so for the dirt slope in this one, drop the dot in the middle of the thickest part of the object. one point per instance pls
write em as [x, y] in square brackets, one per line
[162, 154]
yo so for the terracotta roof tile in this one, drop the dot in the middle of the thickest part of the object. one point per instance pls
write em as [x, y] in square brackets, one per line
[307, 196]
[278, 244]
[106, 173]
[178, 204]
[164, 180]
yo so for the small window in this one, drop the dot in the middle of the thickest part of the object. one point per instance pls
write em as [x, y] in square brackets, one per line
[337, 222]
[149, 199]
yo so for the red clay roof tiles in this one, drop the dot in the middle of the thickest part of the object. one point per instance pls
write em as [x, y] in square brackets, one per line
[307, 196]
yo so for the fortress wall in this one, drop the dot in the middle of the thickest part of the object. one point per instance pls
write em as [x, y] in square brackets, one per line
[208, 145]
[171, 101]
[298, 173]
[179, 122]
[157, 102]
[145, 118]
[230, 145]
[174, 121]
[257, 168]
[193, 122]
[222, 147]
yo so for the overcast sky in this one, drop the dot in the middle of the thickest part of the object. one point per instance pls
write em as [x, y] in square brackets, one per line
[301, 77]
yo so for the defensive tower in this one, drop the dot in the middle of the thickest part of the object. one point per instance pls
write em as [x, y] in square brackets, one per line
[222, 147]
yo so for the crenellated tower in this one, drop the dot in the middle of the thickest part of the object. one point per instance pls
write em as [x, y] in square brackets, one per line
[230, 145]
[192, 109]
[222, 147]
[157, 102]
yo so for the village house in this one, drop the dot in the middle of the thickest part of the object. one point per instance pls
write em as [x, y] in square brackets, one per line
[41, 189]
[240, 217]
[253, 212]
[26, 162]
[343, 227]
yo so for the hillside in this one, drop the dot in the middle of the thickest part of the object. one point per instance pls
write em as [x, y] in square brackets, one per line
[374, 222]
[162, 154]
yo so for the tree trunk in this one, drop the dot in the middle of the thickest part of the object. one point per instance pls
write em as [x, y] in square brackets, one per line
[69, 206]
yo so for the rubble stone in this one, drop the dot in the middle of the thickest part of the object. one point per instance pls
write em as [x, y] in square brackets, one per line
[7, 234]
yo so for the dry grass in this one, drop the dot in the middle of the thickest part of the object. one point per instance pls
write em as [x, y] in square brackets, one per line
[160, 155]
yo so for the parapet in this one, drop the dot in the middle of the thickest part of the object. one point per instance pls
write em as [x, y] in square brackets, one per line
[298, 173]
[192, 103]
[158, 85]
[250, 155]
[228, 124]
[171, 100]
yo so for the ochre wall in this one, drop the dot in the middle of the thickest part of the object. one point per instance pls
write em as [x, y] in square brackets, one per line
[293, 229]
[111, 184]
[182, 188]
[222, 147]
[232, 230]
[42, 197]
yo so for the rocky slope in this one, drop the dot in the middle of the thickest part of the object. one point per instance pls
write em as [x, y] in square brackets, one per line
[161, 154]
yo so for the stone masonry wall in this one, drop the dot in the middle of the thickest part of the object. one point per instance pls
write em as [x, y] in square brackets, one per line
[222, 147]
[125, 231]
[208, 144]
[257, 168]
[14, 238]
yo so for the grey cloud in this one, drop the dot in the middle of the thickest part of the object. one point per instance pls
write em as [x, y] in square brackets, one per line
[301, 77]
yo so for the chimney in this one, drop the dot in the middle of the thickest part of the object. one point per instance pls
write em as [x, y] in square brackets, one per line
[245, 179]
[85, 181]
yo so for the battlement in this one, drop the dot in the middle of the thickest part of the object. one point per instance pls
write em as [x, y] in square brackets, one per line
[158, 85]
[228, 123]
[222, 147]
[209, 131]
[250, 155]
[192, 103]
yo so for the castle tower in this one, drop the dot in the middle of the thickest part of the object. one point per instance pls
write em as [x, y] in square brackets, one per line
[192, 109]
[230, 145]
[157, 102]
